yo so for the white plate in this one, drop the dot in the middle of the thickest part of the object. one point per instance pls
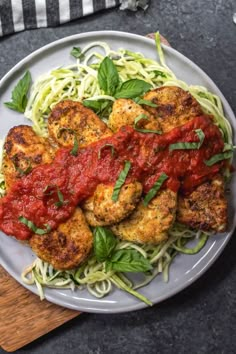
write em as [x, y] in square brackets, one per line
[185, 269]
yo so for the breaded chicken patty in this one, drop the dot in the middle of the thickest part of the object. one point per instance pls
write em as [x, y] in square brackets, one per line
[205, 208]
[66, 247]
[175, 106]
[149, 224]
[102, 210]
[124, 112]
[69, 119]
[24, 150]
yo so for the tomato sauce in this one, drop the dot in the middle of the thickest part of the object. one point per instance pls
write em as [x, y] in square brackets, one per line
[76, 177]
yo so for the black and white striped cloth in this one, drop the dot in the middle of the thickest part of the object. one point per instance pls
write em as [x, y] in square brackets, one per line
[18, 15]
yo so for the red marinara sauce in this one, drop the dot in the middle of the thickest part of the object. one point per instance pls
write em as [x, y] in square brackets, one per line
[35, 196]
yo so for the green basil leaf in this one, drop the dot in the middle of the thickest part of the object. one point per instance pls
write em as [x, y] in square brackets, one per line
[19, 94]
[75, 148]
[155, 188]
[120, 181]
[159, 73]
[33, 227]
[219, 157]
[61, 201]
[187, 145]
[51, 189]
[141, 117]
[22, 172]
[146, 102]
[108, 77]
[111, 146]
[93, 104]
[128, 261]
[200, 135]
[76, 52]
[104, 243]
[102, 107]
[132, 88]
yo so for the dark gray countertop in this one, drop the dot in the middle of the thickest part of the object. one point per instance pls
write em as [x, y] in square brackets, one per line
[202, 318]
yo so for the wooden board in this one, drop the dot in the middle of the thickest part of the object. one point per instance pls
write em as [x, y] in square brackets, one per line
[25, 315]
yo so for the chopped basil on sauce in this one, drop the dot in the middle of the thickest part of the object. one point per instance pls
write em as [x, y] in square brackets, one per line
[120, 181]
[187, 145]
[74, 150]
[20, 170]
[219, 157]
[155, 188]
[33, 227]
[111, 146]
[50, 189]
[141, 117]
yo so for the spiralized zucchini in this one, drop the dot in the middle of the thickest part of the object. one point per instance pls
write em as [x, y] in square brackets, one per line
[79, 82]
[93, 275]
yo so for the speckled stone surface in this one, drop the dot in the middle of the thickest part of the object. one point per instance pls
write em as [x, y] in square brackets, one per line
[202, 318]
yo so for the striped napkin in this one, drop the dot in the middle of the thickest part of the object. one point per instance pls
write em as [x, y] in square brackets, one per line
[18, 15]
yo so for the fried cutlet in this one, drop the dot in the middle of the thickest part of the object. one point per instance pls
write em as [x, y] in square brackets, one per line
[149, 224]
[175, 107]
[205, 208]
[102, 210]
[124, 112]
[67, 246]
[24, 150]
[69, 119]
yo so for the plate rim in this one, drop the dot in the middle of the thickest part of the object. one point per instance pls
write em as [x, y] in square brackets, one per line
[215, 256]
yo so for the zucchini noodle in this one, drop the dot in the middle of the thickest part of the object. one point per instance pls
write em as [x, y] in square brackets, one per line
[93, 276]
[78, 82]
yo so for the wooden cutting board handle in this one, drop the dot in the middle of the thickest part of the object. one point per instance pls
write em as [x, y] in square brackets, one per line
[23, 317]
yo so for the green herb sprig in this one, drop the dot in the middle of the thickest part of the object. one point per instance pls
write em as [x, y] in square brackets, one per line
[124, 260]
[19, 98]
[76, 52]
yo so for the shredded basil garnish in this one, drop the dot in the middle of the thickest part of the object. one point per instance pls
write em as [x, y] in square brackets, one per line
[50, 189]
[146, 102]
[111, 146]
[18, 169]
[33, 227]
[120, 181]
[219, 157]
[189, 146]
[61, 201]
[76, 52]
[74, 151]
[155, 188]
[140, 117]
